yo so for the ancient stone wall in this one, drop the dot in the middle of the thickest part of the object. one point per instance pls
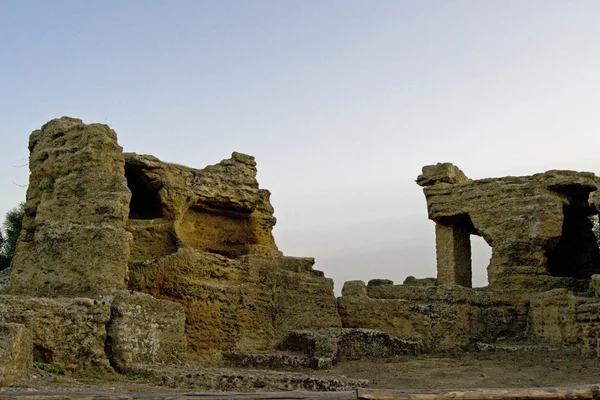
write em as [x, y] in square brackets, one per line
[443, 318]
[538, 227]
[246, 304]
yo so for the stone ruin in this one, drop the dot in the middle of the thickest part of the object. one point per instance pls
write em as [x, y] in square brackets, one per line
[537, 226]
[543, 286]
[126, 262]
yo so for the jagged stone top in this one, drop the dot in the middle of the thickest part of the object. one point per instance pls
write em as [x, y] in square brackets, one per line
[553, 179]
[441, 172]
[230, 182]
[533, 223]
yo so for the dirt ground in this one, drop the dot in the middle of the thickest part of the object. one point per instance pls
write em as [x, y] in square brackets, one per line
[464, 370]
[482, 370]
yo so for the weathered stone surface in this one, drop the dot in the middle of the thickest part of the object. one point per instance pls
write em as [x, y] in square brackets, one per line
[588, 321]
[441, 173]
[412, 281]
[219, 209]
[200, 237]
[73, 241]
[267, 360]
[203, 238]
[246, 381]
[16, 352]
[536, 225]
[326, 347]
[553, 316]
[245, 305]
[4, 280]
[144, 330]
[443, 318]
[381, 282]
[67, 332]
[595, 285]
[354, 288]
[453, 253]
[513, 348]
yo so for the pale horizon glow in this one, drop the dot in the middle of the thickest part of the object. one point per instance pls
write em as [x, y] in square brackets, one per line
[341, 102]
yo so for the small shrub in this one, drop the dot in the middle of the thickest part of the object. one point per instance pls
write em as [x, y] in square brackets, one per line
[51, 368]
[13, 223]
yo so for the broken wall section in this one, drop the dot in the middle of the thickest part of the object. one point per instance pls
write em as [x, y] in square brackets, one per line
[443, 318]
[538, 227]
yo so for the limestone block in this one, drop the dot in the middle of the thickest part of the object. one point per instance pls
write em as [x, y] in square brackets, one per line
[16, 351]
[326, 347]
[354, 288]
[441, 172]
[66, 331]
[553, 316]
[412, 281]
[588, 320]
[144, 330]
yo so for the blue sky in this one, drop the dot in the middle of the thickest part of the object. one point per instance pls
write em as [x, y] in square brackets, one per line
[341, 102]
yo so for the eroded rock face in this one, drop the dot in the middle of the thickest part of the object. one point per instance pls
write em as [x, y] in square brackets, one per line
[74, 241]
[219, 209]
[246, 304]
[4, 280]
[202, 238]
[16, 352]
[538, 227]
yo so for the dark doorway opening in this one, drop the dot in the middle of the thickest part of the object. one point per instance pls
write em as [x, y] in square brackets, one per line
[145, 203]
[576, 255]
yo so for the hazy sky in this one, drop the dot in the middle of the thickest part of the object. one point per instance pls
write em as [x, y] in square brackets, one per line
[341, 102]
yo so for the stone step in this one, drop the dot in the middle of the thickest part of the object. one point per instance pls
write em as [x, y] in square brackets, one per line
[276, 360]
[508, 347]
[198, 377]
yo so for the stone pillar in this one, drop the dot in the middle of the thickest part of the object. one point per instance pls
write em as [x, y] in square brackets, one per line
[74, 241]
[453, 251]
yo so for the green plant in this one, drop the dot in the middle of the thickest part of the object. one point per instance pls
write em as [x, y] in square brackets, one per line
[596, 228]
[51, 368]
[13, 223]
